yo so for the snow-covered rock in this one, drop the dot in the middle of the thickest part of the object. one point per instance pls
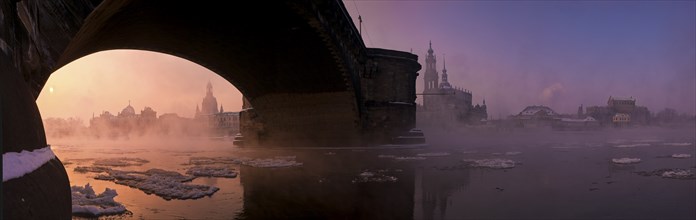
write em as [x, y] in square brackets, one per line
[209, 171]
[15, 165]
[86, 202]
[625, 160]
[495, 163]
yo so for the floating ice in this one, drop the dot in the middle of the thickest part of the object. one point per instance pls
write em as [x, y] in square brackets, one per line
[165, 184]
[670, 173]
[208, 171]
[86, 202]
[120, 162]
[15, 165]
[495, 163]
[279, 161]
[632, 145]
[512, 153]
[469, 152]
[681, 156]
[648, 141]
[409, 158]
[386, 156]
[377, 177]
[625, 160]
[677, 174]
[216, 160]
[677, 144]
[434, 154]
[329, 153]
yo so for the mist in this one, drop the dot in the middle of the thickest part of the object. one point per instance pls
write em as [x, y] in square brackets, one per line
[559, 54]
[111, 80]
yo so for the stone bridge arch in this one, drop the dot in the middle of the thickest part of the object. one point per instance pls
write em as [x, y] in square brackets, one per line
[300, 64]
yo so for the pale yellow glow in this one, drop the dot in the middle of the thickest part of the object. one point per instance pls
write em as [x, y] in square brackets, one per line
[106, 81]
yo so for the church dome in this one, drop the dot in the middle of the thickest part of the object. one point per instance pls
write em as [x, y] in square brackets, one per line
[128, 110]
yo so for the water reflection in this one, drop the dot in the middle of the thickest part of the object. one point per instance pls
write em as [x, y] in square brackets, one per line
[324, 188]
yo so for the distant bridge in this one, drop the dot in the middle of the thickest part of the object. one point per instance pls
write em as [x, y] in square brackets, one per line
[301, 65]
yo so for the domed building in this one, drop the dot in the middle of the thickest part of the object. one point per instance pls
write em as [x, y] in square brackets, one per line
[128, 111]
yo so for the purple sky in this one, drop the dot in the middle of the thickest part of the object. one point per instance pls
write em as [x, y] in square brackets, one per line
[556, 53]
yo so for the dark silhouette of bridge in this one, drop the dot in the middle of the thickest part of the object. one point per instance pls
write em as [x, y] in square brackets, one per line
[302, 66]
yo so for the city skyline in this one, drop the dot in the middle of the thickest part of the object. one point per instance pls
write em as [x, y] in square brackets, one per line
[510, 54]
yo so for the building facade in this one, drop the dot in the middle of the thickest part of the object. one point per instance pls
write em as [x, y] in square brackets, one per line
[444, 102]
[218, 122]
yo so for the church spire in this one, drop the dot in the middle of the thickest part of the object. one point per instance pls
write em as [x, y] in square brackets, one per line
[221, 110]
[444, 73]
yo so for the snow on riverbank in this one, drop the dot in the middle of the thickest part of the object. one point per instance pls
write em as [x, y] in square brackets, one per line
[495, 163]
[625, 160]
[86, 202]
[208, 171]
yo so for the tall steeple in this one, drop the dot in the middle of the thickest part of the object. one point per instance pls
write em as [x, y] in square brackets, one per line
[445, 84]
[431, 77]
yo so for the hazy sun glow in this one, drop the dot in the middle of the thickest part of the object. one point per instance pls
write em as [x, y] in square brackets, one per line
[106, 81]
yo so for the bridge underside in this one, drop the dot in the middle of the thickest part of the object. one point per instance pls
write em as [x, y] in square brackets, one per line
[301, 71]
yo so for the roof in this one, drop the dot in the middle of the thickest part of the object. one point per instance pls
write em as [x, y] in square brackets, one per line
[622, 98]
[534, 109]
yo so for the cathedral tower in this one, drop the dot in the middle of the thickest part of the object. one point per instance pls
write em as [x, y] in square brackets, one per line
[430, 77]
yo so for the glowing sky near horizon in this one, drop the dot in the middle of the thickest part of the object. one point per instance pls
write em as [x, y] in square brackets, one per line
[512, 53]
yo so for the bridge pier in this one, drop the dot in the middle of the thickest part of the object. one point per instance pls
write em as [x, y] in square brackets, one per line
[44, 191]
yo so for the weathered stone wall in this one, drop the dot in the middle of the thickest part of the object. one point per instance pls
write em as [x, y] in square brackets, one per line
[389, 89]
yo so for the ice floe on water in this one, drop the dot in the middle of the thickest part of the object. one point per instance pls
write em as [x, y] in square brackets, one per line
[163, 183]
[433, 154]
[209, 171]
[275, 162]
[512, 153]
[681, 156]
[469, 152]
[648, 141]
[625, 160]
[632, 145]
[677, 144]
[378, 176]
[677, 174]
[670, 173]
[216, 160]
[120, 162]
[86, 203]
[386, 156]
[495, 163]
[409, 158]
